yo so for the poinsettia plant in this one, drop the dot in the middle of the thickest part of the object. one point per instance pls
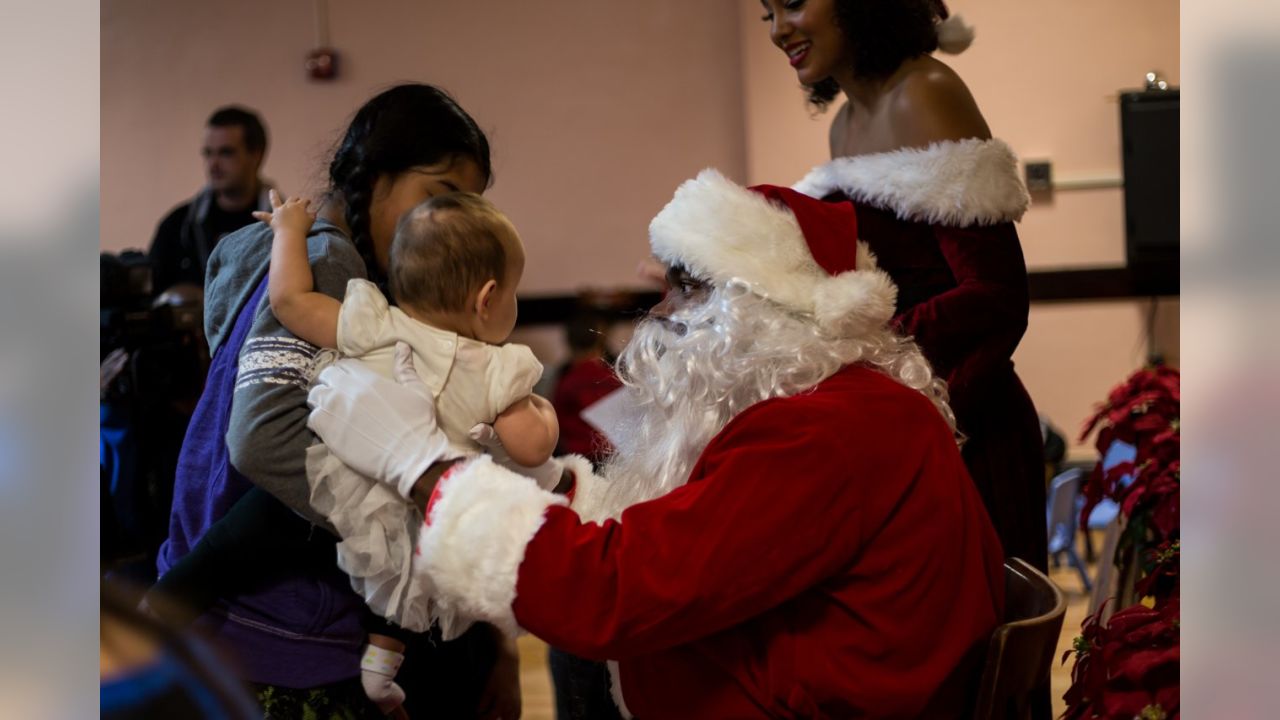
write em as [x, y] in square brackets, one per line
[1142, 412]
[1160, 577]
[1127, 665]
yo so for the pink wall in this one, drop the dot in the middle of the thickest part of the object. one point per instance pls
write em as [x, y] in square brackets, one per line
[1046, 75]
[596, 111]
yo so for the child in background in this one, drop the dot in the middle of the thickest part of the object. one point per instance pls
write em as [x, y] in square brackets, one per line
[454, 266]
[586, 378]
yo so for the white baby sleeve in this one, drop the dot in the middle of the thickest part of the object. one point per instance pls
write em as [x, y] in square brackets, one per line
[512, 373]
[365, 319]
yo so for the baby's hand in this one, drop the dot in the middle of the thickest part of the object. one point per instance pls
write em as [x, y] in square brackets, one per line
[547, 475]
[292, 216]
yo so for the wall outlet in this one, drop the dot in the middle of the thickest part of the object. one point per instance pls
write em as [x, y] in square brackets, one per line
[1039, 175]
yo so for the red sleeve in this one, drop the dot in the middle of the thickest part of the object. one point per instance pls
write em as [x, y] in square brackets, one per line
[773, 514]
[986, 313]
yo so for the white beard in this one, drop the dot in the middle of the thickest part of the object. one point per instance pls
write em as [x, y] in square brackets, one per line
[668, 425]
[736, 350]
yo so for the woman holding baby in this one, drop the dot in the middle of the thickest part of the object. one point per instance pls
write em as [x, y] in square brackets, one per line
[251, 536]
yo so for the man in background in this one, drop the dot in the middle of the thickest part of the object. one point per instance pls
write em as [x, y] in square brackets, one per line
[235, 144]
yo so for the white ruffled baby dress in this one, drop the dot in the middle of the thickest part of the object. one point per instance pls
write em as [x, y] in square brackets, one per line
[472, 382]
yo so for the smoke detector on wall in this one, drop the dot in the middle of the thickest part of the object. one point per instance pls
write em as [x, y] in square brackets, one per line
[322, 62]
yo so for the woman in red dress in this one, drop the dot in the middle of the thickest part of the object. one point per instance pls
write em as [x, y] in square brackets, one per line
[936, 199]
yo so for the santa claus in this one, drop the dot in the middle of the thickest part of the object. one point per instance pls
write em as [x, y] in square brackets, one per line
[786, 529]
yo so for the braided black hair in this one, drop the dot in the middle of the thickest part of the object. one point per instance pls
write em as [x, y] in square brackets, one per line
[881, 35]
[398, 129]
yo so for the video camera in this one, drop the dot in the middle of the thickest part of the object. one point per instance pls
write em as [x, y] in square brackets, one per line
[154, 359]
[163, 336]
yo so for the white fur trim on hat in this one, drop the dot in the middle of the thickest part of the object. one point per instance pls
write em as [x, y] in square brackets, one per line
[723, 232]
[954, 36]
[853, 304]
[953, 182]
[479, 528]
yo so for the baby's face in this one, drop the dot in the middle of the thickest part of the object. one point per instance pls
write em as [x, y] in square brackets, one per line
[502, 312]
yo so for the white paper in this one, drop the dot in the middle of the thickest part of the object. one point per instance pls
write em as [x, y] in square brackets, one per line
[607, 413]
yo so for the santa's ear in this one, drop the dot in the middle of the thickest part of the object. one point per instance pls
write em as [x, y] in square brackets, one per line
[484, 298]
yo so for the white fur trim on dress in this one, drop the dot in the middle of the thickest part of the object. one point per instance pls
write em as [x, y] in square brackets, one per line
[953, 182]
[479, 528]
[615, 689]
[724, 233]
[954, 36]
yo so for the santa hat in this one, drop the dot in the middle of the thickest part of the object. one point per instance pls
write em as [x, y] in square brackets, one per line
[954, 36]
[797, 251]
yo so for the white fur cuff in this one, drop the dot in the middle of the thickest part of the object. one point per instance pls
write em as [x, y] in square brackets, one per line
[615, 689]
[484, 518]
[586, 487]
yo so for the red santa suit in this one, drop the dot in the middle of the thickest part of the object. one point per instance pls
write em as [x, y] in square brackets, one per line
[827, 557]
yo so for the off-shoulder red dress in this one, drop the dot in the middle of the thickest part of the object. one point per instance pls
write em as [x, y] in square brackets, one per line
[941, 223]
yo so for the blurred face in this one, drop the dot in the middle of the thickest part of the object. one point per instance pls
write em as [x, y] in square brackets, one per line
[394, 196]
[502, 308]
[228, 163]
[806, 31]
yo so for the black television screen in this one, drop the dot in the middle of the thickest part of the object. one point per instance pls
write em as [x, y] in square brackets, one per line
[1149, 134]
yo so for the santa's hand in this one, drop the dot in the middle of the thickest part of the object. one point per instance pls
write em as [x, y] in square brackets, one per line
[547, 475]
[384, 429]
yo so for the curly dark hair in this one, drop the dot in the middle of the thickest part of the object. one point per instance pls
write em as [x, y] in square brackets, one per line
[398, 129]
[881, 35]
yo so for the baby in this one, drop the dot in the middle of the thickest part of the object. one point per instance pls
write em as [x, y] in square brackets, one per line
[454, 267]
[455, 263]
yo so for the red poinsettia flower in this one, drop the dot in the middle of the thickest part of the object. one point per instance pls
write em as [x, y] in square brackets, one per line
[1152, 482]
[1161, 579]
[1159, 494]
[1153, 392]
[1161, 450]
[1143, 412]
[1128, 666]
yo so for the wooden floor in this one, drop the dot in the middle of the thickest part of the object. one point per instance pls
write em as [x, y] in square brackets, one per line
[539, 704]
[1068, 580]
[535, 680]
